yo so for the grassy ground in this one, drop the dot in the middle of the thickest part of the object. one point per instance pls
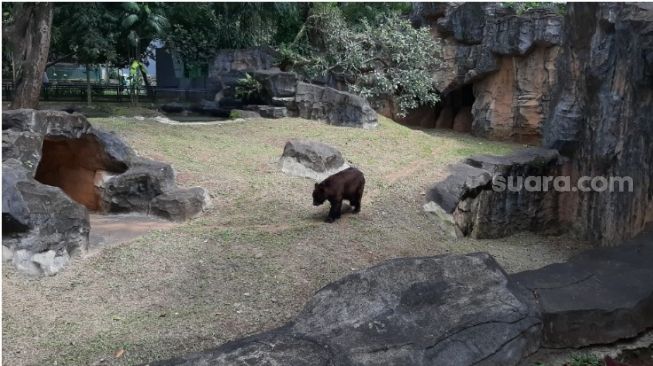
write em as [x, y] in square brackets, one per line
[254, 259]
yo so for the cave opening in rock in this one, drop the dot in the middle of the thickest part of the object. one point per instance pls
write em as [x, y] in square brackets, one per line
[77, 167]
[454, 112]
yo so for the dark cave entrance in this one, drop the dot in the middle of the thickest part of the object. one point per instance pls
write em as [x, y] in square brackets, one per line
[454, 112]
[76, 166]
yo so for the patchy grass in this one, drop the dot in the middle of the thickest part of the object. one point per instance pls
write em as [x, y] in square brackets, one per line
[254, 259]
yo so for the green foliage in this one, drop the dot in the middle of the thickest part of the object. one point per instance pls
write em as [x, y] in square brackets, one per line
[117, 33]
[522, 7]
[358, 13]
[85, 31]
[140, 23]
[234, 114]
[248, 88]
[200, 30]
[381, 60]
[580, 360]
[585, 360]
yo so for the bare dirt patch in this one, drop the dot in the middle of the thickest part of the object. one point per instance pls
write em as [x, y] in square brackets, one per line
[254, 259]
[118, 229]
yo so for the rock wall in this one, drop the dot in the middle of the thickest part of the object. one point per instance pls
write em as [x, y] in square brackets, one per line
[282, 93]
[601, 113]
[588, 91]
[229, 66]
[509, 60]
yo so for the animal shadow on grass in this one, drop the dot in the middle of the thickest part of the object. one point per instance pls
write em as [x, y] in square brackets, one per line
[321, 214]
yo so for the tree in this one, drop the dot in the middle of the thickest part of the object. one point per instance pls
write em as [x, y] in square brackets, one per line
[140, 23]
[387, 59]
[200, 30]
[85, 33]
[27, 35]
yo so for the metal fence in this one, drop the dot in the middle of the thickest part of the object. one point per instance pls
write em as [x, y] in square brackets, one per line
[77, 92]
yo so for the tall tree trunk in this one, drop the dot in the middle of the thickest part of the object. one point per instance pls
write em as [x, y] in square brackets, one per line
[29, 39]
[88, 85]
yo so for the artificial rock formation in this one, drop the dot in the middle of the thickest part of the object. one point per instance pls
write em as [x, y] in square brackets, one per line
[508, 60]
[311, 159]
[334, 106]
[600, 116]
[229, 66]
[473, 201]
[597, 115]
[56, 168]
[281, 90]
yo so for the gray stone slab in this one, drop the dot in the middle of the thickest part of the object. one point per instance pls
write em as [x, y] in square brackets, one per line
[597, 297]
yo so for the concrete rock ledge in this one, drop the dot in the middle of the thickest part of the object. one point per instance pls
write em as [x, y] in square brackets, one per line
[466, 203]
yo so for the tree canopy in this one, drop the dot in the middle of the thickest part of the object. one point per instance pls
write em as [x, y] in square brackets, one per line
[370, 47]
[91, 33]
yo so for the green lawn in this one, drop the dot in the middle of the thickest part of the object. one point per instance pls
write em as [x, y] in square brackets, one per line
[252, 260]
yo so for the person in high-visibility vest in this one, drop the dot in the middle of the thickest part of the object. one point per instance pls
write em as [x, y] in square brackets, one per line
[135, 68]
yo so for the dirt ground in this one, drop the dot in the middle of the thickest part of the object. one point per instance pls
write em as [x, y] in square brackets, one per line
[253, 260]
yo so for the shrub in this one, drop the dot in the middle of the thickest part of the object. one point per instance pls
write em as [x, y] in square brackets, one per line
[234, 114]
[522, 7]
[389, 59]
[248, 88]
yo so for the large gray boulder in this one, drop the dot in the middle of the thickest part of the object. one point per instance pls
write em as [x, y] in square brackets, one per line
[447, 310]
[134, 189]
[311, 159]
[24, 146]
[457, 310]
[39, 219]
[334, 106]
[598, 297]
[181, 204]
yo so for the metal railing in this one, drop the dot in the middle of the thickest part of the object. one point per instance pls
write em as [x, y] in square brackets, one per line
[77, 92]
